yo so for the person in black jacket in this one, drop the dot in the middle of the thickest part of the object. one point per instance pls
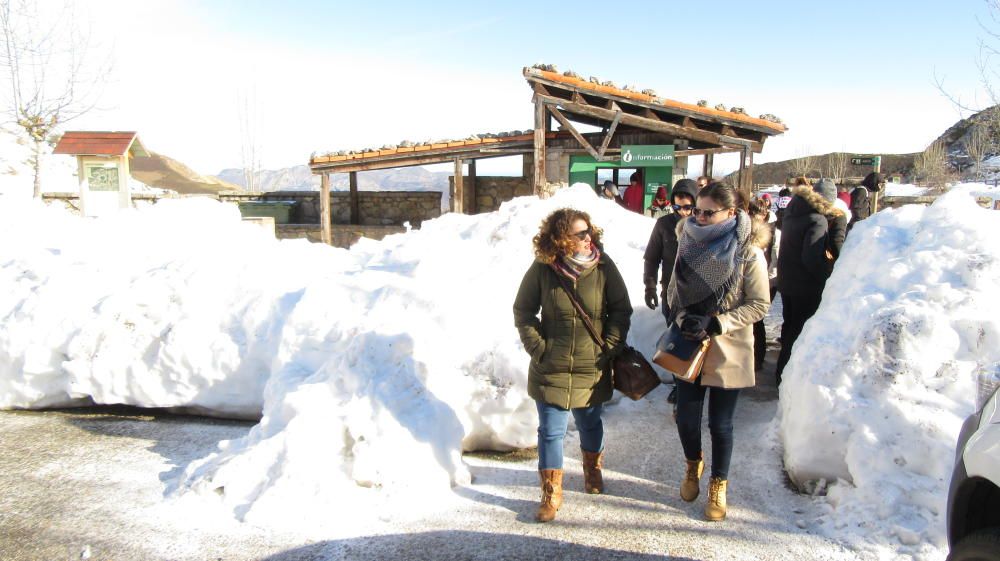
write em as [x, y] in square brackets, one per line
[835, 218]
[661, 251]
[861, 206]
[805, 261]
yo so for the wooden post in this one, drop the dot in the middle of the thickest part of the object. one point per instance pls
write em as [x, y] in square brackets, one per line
[741, 176]
[458, 201]
[540, 120]
[324, 209]
[472, 205]
[355, 207]
[706, 168]
[748, 163]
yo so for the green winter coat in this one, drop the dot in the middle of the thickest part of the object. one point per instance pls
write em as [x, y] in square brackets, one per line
[567, 369]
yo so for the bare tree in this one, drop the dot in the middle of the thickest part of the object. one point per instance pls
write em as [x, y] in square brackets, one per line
[51, 77]
[246, 108]
[836, 166]
[977, 145]
[931, 166]
[803, 164]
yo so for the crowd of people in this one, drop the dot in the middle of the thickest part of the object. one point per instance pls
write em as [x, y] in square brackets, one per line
[716, 258]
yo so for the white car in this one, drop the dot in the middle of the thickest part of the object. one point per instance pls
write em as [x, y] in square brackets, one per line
[974, 496]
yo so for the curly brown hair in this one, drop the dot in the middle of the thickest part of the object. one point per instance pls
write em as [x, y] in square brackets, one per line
[555, 238]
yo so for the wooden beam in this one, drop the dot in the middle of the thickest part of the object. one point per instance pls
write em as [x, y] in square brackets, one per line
[572, 130]
[472, 205]
[611, 130]
[648, 124]
[707, 167]
[458, 200]
[355, 206]
[389, 163]
[539, 179]
[324, 209]
[748, 157]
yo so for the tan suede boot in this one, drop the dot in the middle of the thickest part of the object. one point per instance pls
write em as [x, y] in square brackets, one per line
[690, 486]
[715, 509]
[593, 479]
[552, 496]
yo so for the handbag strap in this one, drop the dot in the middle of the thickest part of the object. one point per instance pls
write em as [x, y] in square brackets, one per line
[579, 309]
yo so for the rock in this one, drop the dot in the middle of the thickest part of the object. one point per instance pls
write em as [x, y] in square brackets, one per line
[649, 92]
[702, 103]
[737, 110]
[720, 107]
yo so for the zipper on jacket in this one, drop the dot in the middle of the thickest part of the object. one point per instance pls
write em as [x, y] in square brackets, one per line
[572, 351]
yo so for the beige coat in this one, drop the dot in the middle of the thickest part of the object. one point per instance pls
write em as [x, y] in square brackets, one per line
[730, 361]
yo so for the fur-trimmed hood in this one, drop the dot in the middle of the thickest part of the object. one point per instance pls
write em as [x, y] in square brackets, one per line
[814, 201]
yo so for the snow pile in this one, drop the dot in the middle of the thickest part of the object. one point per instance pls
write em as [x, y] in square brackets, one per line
[881, 378]
[903, 190]
[373, 368]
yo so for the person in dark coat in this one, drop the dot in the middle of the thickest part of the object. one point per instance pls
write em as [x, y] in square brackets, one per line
[861, 206]
[661, 251]
[805, 261]
[569, 374]
[836, 219]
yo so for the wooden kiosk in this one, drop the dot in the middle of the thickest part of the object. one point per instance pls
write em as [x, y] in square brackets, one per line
[102, 167]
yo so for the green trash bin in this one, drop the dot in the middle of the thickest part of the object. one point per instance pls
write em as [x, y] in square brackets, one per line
[280, 211]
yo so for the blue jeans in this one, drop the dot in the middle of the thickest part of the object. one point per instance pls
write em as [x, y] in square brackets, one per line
[721, 406]
[552, 424]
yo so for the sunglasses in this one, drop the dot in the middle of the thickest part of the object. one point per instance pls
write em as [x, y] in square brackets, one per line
[682, 207]
[582, 235]
[706, 213]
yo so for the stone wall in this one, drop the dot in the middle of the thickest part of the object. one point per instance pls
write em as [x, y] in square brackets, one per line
[375, 208]
[344, 235]
[490, 192]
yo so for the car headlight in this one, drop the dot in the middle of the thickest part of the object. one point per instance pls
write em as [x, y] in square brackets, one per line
[987, 382]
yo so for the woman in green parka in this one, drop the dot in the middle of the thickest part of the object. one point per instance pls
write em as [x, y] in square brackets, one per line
[568, 373]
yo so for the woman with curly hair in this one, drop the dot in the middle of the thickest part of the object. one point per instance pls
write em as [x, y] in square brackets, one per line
[568, 373]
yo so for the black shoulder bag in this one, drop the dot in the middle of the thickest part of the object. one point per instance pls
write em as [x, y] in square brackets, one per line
[631, 373]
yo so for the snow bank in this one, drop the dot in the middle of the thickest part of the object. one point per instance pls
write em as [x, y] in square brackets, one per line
[373, 368]
[882, 376]
[903, 190]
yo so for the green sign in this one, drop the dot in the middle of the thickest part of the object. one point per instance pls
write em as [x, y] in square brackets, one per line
[866, 160]
[648, 155]
[100, 178]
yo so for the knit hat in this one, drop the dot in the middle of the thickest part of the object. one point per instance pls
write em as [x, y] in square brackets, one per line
[685, 186]
[827, 188]
[661, 193]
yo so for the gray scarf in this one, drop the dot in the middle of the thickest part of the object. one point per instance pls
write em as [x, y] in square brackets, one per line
[708, 259]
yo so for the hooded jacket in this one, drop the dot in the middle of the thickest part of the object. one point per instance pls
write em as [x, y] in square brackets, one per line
[661, 251]
[806, 236]
[564, 368]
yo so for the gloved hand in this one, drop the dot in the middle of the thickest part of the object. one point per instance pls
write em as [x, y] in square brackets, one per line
[651, 299]
[699, 328]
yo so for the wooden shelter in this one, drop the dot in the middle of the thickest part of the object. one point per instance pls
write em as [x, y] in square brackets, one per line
[102, 166]
[636, 131]
[628, 117]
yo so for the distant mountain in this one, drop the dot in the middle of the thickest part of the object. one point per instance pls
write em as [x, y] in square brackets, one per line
[167, 173]
[777, 172]
[299, 178]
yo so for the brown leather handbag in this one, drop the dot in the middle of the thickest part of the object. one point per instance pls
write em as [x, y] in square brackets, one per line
[631, 373]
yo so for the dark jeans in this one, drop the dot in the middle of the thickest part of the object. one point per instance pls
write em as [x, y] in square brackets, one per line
[796, 311]
[552, 424]
[721, 406]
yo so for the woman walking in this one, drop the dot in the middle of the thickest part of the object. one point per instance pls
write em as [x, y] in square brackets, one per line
[718, 290]
[568, 373]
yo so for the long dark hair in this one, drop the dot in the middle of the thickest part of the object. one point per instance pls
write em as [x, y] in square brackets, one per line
[724, 195]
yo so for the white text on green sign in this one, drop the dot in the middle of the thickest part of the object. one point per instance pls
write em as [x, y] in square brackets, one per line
[648, 155]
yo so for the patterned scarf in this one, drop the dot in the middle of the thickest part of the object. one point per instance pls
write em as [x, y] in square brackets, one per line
[575, 265]
[708, 259]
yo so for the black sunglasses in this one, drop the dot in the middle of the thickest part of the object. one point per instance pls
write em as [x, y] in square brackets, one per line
[706, 213]
[582, 235]
[682, 207]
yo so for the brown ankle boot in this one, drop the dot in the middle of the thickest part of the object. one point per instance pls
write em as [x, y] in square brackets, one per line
[692, 478]
[552, 496]
[715, 509]
[593, 480]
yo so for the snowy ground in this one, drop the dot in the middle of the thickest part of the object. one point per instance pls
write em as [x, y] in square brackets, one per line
[94, 480]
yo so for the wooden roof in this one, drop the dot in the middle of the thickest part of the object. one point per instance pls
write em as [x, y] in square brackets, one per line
[600, 105]
[99, 143]
[425, 153]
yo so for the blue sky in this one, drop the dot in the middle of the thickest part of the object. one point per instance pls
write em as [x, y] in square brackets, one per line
[857, 76]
